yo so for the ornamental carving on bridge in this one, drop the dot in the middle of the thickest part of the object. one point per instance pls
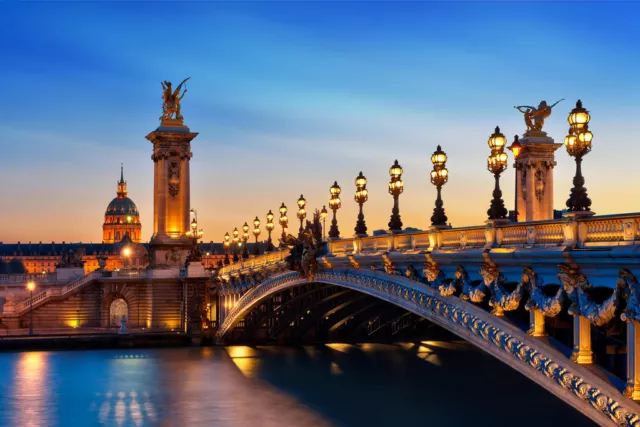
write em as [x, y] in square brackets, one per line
[630, 283]
[497, 336]
[171, 113]
[303, 251]
[548, 306]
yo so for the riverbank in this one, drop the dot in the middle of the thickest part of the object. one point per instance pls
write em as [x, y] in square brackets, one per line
[92, 341]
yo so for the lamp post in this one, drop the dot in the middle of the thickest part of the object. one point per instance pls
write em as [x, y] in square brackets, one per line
[334, 205]
[496, 164]
[236, 244]
[323, 215]
[256, 233]
[245, 239]
[396, 186]
[302, 213]
[195, 234]
[515, 148]
[284, 221]
[439, 177]
[127, 254]
[31, 286]
[226, 245]
[578, 144]
[361, 196]
[269, 226]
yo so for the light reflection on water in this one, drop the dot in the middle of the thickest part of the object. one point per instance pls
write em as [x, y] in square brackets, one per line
[333, 385]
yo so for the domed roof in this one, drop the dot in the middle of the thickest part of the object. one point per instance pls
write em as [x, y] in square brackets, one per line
[122, 206]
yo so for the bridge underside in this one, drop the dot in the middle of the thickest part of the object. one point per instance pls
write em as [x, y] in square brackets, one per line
[320, 313]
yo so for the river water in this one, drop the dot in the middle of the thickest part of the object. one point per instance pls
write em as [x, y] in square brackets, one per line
[423, 384]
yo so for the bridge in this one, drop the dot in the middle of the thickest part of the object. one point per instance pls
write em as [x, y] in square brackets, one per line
[476, 282]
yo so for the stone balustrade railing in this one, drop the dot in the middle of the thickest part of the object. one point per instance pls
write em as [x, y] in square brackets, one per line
[9, 279]
[571, 232]
[257, 261]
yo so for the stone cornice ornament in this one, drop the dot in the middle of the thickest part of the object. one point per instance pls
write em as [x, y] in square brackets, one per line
[548, 306]
[630, 284]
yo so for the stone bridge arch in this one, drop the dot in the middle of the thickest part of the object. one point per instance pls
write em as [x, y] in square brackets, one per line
[575, 384]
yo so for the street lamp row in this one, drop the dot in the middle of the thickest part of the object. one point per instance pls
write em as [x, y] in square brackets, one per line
[577, 142]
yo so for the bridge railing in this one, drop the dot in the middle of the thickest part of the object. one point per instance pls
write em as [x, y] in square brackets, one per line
[256, 261]
[572, 232]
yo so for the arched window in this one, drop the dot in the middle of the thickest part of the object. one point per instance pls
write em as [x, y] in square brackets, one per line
[118, 309]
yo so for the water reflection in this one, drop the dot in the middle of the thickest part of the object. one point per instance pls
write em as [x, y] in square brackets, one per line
[333, 385]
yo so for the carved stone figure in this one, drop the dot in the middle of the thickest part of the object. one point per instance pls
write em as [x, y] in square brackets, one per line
[548, 306]
[171, 101]
[388, 266]
[571, 280]
[534, 117]
[630, 284]
[174, 178]
[501, 299]
[303, 252]
[71, 259]
[474, 293]
[412, 273]
[432, 273]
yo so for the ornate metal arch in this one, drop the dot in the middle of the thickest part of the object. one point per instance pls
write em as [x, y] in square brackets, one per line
[543, 364]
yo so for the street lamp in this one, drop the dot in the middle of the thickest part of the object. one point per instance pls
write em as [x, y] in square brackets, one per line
[578, 144]
[236, 244]
[323, 215]
[334, 205]
[245, 239]
[269, 226]
[127, 253]
[302, 213]
[284, 221]
[439, 177]
[31, 286]
[195, 234]
[516, 148]
[256, 233]
[226, 245]
[496, 164]
[361, 196]
[396, 186]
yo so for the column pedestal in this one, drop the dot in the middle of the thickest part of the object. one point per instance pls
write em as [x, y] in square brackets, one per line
[582, 353]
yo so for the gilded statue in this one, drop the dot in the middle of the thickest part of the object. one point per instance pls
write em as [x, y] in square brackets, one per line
[534, 117]
[171, 101]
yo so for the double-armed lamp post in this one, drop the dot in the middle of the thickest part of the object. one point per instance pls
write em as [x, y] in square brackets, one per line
[284, 220]
[396, 187]
[236, 244]
[361, 196]
[439, 177]
[226, 245]
[269, 226]
[302, 213]
[245, 239]
[334, 205]
[256, 233]
[496, 164]
[578, 144]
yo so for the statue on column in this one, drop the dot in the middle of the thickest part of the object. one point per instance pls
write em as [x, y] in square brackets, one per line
[171, 101]
[534, 117]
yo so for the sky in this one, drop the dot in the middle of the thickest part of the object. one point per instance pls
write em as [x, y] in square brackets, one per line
[289, 97]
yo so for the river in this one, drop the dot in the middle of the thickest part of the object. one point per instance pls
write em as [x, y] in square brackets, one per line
[408, 384]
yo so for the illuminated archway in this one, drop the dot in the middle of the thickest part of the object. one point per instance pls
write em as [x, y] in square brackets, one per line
[117, 309]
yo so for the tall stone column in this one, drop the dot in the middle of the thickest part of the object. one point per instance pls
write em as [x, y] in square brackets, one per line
[536, 324]
[536, 161]
[171, 153]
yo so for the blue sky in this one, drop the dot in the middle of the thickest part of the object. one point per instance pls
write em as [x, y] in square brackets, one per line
[290, 96]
